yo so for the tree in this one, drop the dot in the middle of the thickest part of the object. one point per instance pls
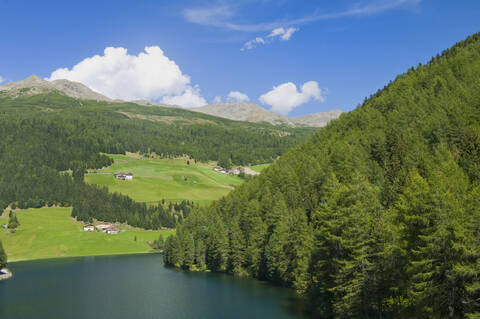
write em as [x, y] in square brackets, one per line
[225, 162]
[188, 245]
[13, 221]
[3, 256]
[172, 255]
[236, 254]
[217, 248]
[159, 243]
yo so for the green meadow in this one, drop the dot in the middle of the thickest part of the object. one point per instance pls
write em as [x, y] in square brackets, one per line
[169, 179]
[52, 233]
[259, 168]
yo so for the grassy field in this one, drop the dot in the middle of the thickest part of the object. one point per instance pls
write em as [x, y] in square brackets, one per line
[169, 179]
[52, 233]
[259, 168]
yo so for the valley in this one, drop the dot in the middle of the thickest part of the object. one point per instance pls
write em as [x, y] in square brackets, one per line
[155, 180]
[240, 159]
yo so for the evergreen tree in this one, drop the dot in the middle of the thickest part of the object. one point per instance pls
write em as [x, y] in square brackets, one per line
[3, 256]
[188, 245]
[13, 221]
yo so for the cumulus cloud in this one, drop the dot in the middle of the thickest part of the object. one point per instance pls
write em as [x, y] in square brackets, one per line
[237, 96]
[284, 34]
[217, 99]
[286, 97]
[149, 75]
[190, 98]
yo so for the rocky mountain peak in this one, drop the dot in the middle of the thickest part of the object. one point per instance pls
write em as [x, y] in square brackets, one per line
[36, 85]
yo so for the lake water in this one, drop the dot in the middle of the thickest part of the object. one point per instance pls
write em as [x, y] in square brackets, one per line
[135, 286]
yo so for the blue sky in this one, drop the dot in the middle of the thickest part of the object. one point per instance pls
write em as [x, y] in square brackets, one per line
[343, 50]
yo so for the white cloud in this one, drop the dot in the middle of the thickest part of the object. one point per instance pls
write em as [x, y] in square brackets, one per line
[288, 33]
[285, 97]
[281, 33]
[1, 79]
[219, 16]
[213, 16]
[276, 32]
[252, 43]
[217, 99]
[237, 96]
[284, 34]
[190, 98]
[149, 75]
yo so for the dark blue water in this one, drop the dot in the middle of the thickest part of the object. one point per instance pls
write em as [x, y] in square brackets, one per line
[135, 286]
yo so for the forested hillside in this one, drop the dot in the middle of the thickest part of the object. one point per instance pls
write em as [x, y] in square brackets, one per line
[375, 216]
[43, 135]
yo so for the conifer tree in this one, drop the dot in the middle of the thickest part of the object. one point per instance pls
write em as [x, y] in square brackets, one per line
[3, 256]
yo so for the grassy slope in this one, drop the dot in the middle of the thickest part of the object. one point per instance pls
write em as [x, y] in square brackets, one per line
[157, 179]
[260, 167]
[51, 233]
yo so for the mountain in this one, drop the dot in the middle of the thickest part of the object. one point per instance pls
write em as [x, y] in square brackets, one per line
[237, 111]
[375, 216]
[251, 112]
[35, 85]
[244, 111]
[317, 119]
[78, 90]
[150, 103]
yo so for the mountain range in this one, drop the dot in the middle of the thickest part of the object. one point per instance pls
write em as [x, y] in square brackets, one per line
[251, 112]
[238, 111]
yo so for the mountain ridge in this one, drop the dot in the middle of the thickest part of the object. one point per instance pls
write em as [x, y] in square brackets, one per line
[237, 111]
[35, 85]
[251, 112]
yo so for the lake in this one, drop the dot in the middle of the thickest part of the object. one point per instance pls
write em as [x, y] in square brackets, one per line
[135, 286]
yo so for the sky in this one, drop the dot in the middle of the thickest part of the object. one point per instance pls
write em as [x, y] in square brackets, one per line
[294, 57]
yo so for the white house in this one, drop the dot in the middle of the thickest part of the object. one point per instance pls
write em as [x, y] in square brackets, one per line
[123, 176]
[102, 227]
[88, 228]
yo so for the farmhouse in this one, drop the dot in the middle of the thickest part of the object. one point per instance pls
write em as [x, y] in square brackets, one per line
[88, 228]
[235, 171]
[109, 229]
[102, 227]
[123, 176]
[112, 230]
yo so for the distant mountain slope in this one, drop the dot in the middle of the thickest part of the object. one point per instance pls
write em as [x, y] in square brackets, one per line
[78, 90]
[36, 85]
[244, 111]
[251, 112]
[237, 111]
[150, 103]
[317, 119]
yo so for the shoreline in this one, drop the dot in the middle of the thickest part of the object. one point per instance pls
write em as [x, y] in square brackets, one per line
[5, 274]
[80, 256]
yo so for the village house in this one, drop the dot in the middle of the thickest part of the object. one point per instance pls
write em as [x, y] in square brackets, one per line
[102, 227]
[234, 171]
[109, 229]
[88, 228]
[112, 230]
[123, 176]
